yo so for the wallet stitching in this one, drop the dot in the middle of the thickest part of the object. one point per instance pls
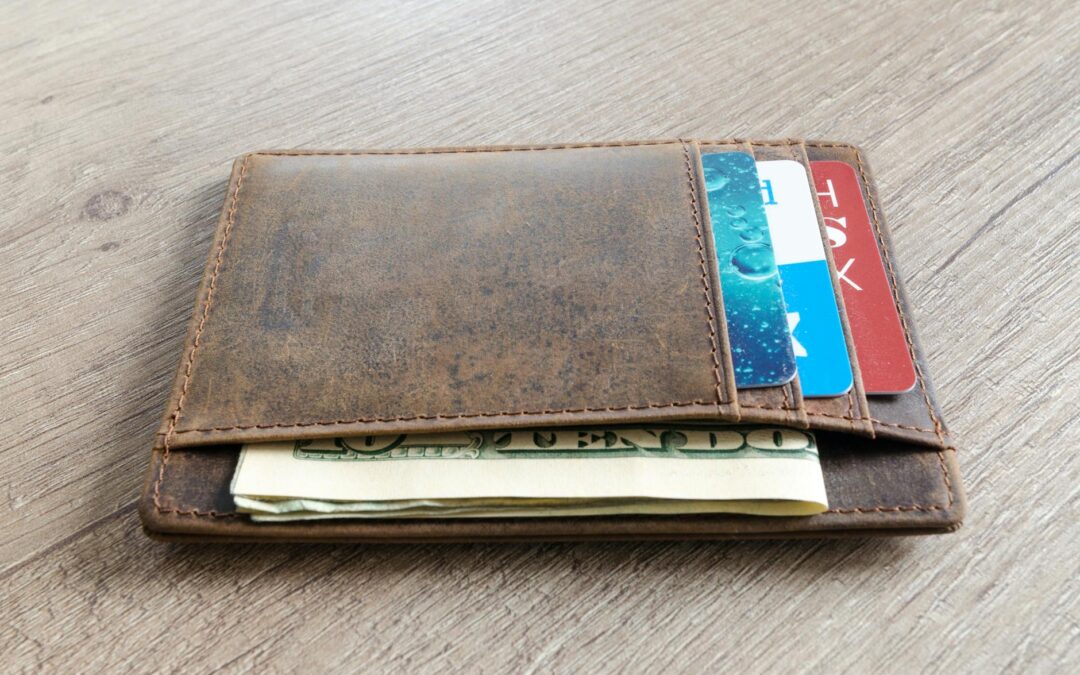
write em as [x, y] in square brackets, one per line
[850, 399]
[896, 297]
[230, 219]
[518, 413]
[698, 238]
[409, 418]
[445, 151]
[872, 419]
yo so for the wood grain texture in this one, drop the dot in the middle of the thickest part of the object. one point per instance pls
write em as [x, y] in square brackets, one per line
[120, 121]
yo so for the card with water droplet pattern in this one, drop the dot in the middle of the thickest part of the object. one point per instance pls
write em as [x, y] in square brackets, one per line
[761, 348]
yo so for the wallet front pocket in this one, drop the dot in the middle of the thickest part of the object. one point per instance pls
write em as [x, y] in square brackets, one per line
[432, 291]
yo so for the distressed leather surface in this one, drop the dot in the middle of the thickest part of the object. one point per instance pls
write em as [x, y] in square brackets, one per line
[385, 291]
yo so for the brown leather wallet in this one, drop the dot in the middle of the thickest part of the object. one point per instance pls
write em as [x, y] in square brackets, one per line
[385, 291]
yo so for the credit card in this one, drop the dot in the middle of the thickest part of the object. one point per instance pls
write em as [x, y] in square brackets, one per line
[813, 316]
[761, 350]
[880, 344]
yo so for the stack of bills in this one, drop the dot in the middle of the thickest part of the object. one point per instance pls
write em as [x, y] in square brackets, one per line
[535, 472]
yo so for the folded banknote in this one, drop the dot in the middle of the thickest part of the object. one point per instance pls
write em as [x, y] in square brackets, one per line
[661, 470]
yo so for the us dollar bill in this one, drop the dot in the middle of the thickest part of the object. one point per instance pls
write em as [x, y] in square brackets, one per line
[533, 473]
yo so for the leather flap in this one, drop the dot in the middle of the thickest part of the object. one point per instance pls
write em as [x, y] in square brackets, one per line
[388, 291]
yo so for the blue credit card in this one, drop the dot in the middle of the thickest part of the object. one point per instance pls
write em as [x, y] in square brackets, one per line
[761, 348]
[813, 316]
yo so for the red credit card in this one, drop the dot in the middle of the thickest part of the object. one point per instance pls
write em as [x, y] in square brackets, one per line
[880, 344]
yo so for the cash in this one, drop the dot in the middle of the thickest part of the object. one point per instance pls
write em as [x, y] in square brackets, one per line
[535, 472]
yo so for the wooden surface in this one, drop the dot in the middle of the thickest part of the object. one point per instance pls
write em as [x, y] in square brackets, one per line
[119, 123]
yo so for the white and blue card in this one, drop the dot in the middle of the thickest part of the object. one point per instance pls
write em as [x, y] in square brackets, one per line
[761, 349]
[812, 314]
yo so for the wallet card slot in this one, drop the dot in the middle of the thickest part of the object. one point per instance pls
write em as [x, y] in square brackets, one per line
[913, 415]
[842, 413]
[847, 413]
[767, 405]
